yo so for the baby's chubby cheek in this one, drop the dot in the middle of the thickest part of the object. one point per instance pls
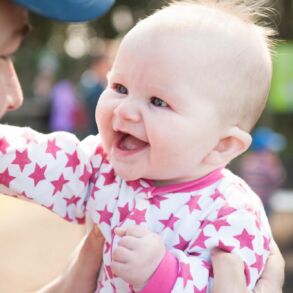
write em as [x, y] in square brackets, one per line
[104, 116]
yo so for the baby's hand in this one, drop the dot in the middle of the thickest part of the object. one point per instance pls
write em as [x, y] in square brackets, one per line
[138, 254]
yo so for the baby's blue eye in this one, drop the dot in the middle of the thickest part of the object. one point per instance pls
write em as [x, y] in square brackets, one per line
[158, 102]
[121, 89]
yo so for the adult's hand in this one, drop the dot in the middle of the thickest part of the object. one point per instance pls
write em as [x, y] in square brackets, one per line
[81, 273]
[229, 273]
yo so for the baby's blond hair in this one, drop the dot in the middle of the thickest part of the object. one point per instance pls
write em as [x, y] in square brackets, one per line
[246, 87]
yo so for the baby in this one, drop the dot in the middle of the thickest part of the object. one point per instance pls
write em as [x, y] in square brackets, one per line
[186, 87]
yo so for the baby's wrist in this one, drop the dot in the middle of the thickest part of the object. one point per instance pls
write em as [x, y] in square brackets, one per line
[139, 288]
[164, 276]
[153, 268]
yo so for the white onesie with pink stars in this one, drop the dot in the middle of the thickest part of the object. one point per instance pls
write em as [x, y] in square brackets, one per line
[74, 180]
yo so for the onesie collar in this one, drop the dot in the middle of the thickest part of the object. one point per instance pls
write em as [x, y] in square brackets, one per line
[147, 186]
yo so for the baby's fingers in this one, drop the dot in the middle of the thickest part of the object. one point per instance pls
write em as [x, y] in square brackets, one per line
[120, 231]
[134, 230]
[121, 255]
[129, 242]
[118, 268]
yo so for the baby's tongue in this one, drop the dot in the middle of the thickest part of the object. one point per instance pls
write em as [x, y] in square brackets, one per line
[130, 143]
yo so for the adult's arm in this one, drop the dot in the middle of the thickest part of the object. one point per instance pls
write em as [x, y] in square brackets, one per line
[81, 272]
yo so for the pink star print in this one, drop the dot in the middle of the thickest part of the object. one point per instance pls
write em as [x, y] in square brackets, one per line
[258, 220]
[67, 218]
[100, 286]
[249, 207]
[182, 243]
[107, 247]
[247, 273]
[245, 239]
[258, 262]
[72, 200]
[109, 177]
[5, 178]
[109, 271]
[50, 207]
[38, 174]
[206, 264]
[58, 184]
[138, 216]
[203, 290]
[21, 159]
[135, 184]
[96, 188]
[204, 223]
[217, 195]
[105, 216]
[156, 200]
[85, 176]
[24, 194]
[185, 273]
[52, 148]
[266, 243]
[123, 211]
[80, 220]
[29, 137]
[225, 247]
[218, 224]
[95, 170]
[72, 160]
[3, 145]
[169, 223]
[193, 204]
[100, 151]
[225, 210]
[200, 240]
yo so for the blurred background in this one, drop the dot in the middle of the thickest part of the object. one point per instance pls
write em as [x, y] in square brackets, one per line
[62, 69]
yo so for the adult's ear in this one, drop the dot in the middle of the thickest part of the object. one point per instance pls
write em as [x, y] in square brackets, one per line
[234, 142]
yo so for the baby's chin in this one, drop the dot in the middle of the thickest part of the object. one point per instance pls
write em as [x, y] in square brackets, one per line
[127, 176]
[125, 173]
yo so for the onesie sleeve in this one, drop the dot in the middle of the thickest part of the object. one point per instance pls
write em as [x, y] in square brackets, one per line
[244, 232]
[53, 170]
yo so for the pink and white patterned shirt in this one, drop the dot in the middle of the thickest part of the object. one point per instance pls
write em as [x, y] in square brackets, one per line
[74, 180]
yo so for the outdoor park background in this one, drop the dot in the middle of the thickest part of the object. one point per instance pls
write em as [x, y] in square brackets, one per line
[35, 245]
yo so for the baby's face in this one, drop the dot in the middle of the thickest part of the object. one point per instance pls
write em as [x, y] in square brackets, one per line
[154, 120]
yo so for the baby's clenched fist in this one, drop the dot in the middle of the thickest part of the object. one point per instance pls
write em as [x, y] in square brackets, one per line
[137, 256]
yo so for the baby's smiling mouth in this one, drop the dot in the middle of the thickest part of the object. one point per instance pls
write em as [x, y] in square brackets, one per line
[128, 142]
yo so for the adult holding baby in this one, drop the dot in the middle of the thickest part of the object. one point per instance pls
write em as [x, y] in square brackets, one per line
[14, 19]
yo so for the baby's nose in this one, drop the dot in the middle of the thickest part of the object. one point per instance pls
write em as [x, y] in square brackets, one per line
[128, 110]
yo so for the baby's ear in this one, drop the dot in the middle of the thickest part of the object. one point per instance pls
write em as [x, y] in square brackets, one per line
[231, 145]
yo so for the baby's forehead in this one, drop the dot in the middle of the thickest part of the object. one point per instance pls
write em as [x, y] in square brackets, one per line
[203, 26]
[199, 29]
